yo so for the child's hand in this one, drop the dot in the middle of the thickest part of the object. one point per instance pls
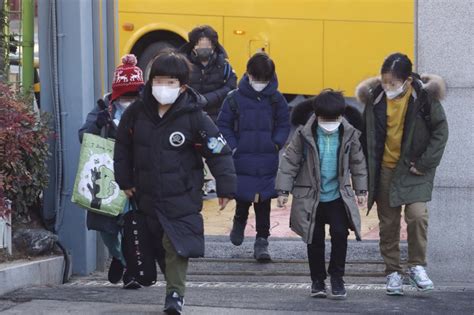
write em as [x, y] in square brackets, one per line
[130, 192]
[282, 201]
[414, 171]
[223, 203]
[361, 200]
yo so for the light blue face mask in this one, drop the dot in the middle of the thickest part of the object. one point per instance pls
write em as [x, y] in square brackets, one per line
[120, 107]
[117, 115]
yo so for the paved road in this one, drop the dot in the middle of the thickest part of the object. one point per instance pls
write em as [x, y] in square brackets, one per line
[85, 296]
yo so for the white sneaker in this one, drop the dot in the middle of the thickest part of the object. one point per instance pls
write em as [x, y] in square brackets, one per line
[419, 279]
[210, 186]
[394, 284]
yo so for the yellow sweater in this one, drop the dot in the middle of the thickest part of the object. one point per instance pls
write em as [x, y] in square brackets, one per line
[396, 111]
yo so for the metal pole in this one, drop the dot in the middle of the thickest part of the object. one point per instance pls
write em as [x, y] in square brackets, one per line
[5, 40]
[27, 43]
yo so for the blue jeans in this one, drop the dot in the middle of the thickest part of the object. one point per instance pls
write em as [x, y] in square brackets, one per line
[113, 241]
[114, 245]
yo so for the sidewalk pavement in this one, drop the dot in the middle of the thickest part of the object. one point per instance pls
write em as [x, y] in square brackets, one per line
[220, 222]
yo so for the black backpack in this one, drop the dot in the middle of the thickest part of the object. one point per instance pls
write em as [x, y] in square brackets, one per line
[137, 246]
[234, 107]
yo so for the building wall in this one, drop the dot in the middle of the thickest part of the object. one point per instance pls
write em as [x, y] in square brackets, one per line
[445, 46]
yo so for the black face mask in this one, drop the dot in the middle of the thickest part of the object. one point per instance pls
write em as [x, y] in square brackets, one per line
[204, 53]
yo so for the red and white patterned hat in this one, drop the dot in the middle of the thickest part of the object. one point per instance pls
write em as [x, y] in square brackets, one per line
[127, 77]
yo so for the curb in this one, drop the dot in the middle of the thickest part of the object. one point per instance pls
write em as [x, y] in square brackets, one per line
[21, 274]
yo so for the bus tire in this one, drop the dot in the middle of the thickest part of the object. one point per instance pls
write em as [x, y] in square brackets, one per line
[145, 60]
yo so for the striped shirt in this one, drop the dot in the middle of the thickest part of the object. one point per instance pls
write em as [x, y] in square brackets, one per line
[328, 145]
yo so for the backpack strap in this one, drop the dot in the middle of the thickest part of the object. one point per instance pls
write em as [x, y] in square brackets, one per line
[234, 107]
[227, 70]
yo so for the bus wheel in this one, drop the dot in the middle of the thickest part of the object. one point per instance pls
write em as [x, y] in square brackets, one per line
[145, 60]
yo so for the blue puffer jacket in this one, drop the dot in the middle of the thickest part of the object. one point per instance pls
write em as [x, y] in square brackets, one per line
[263, 129]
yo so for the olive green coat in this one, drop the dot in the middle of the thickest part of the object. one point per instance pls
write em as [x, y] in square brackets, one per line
[423, 143]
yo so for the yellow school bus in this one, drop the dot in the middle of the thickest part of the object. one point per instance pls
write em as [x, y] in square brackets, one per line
[315, 44]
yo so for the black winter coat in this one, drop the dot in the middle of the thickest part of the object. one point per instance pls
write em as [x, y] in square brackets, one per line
[162, 159]
[213, 81]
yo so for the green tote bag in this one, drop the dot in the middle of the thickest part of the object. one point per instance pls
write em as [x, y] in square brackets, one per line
[95, 187]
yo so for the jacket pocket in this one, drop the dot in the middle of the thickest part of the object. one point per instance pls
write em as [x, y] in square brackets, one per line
[300, 218]
[414, 180]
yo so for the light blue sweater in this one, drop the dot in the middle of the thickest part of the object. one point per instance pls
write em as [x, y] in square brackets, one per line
[328, 145]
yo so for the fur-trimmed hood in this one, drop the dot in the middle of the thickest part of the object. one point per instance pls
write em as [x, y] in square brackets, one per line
[303, 111]
[433, 84]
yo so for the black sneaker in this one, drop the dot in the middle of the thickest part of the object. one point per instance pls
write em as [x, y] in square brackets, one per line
[115, 271]
[338, 291]
[318, 289]
[174, 304]
[237, 232]
[129, 282]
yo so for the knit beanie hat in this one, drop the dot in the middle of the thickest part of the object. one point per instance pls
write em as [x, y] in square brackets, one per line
[127, 77]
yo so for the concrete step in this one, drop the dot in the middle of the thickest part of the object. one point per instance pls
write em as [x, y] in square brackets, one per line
[293, 248]
[247, 268]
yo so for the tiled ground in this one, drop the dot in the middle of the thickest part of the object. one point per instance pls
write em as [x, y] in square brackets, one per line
[220, 222]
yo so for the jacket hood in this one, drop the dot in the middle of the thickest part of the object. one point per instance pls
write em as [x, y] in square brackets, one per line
[433, 84]
[247, 89]
[304, 110]
[307, 130]
[188, 101]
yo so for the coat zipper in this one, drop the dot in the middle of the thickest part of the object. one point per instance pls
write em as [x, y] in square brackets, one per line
[314, 208]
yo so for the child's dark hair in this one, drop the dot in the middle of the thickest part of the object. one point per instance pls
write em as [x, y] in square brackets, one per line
[329, 104]
[203, 31]
[261, 67]
[168, 63]
[172, 64]
[399, 65]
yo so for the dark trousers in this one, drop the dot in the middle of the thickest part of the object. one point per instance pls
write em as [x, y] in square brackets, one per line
[157, 233]
[334, 214]
[262, 215]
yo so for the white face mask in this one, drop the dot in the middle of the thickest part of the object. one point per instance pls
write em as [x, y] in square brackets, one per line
[165, 95]
[124, 104]
[258, 86]
[329, 126]
[391, 94]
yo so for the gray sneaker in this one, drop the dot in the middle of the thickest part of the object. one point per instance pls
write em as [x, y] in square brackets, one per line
[261, 253]
[419, 279]
[394, 284]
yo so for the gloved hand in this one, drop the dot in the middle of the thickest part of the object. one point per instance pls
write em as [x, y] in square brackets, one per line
[103, 118]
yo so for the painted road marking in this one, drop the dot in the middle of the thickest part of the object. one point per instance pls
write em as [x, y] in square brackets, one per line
[256, 285]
